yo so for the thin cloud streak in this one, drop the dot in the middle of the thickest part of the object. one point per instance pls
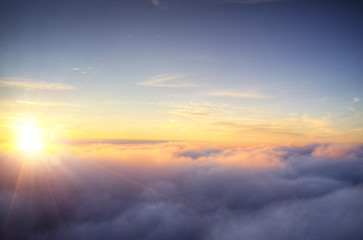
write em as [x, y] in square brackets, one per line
[25, 102]
[193, 114]
[168, 80]
[33, 84]
[13, 103]
[253, 1]
[165, 4]
[239, 95]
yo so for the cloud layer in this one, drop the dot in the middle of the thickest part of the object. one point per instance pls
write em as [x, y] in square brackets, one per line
[184, 191]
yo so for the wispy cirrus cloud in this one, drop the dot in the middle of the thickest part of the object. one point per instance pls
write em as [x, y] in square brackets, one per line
[195, 109]
[156, 3]
[193, 114]
[165, 4]
[239, 95]
[15, 104]
[169, 80]
[253, 1]
[25, 102]
[33, 84]
[355, 100]
[48, 104]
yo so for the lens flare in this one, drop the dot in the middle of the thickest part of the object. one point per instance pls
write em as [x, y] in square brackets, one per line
[29, 138]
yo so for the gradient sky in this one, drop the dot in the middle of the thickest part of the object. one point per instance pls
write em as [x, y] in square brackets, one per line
[181, 119]
[233, 71]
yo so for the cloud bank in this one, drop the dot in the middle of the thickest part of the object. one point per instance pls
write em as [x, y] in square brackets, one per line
[184, 191]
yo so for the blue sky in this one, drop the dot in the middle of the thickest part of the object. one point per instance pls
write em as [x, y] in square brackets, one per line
[143, 59]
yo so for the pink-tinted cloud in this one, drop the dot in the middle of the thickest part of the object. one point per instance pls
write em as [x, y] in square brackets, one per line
[339, 150]
[176, 190]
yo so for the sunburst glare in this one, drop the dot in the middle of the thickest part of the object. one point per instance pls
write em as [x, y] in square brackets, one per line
[29, 138]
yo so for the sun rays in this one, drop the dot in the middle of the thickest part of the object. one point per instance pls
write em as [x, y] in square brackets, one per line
[29, 138]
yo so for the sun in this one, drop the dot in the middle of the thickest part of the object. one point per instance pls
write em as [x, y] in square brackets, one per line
[29, 138]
